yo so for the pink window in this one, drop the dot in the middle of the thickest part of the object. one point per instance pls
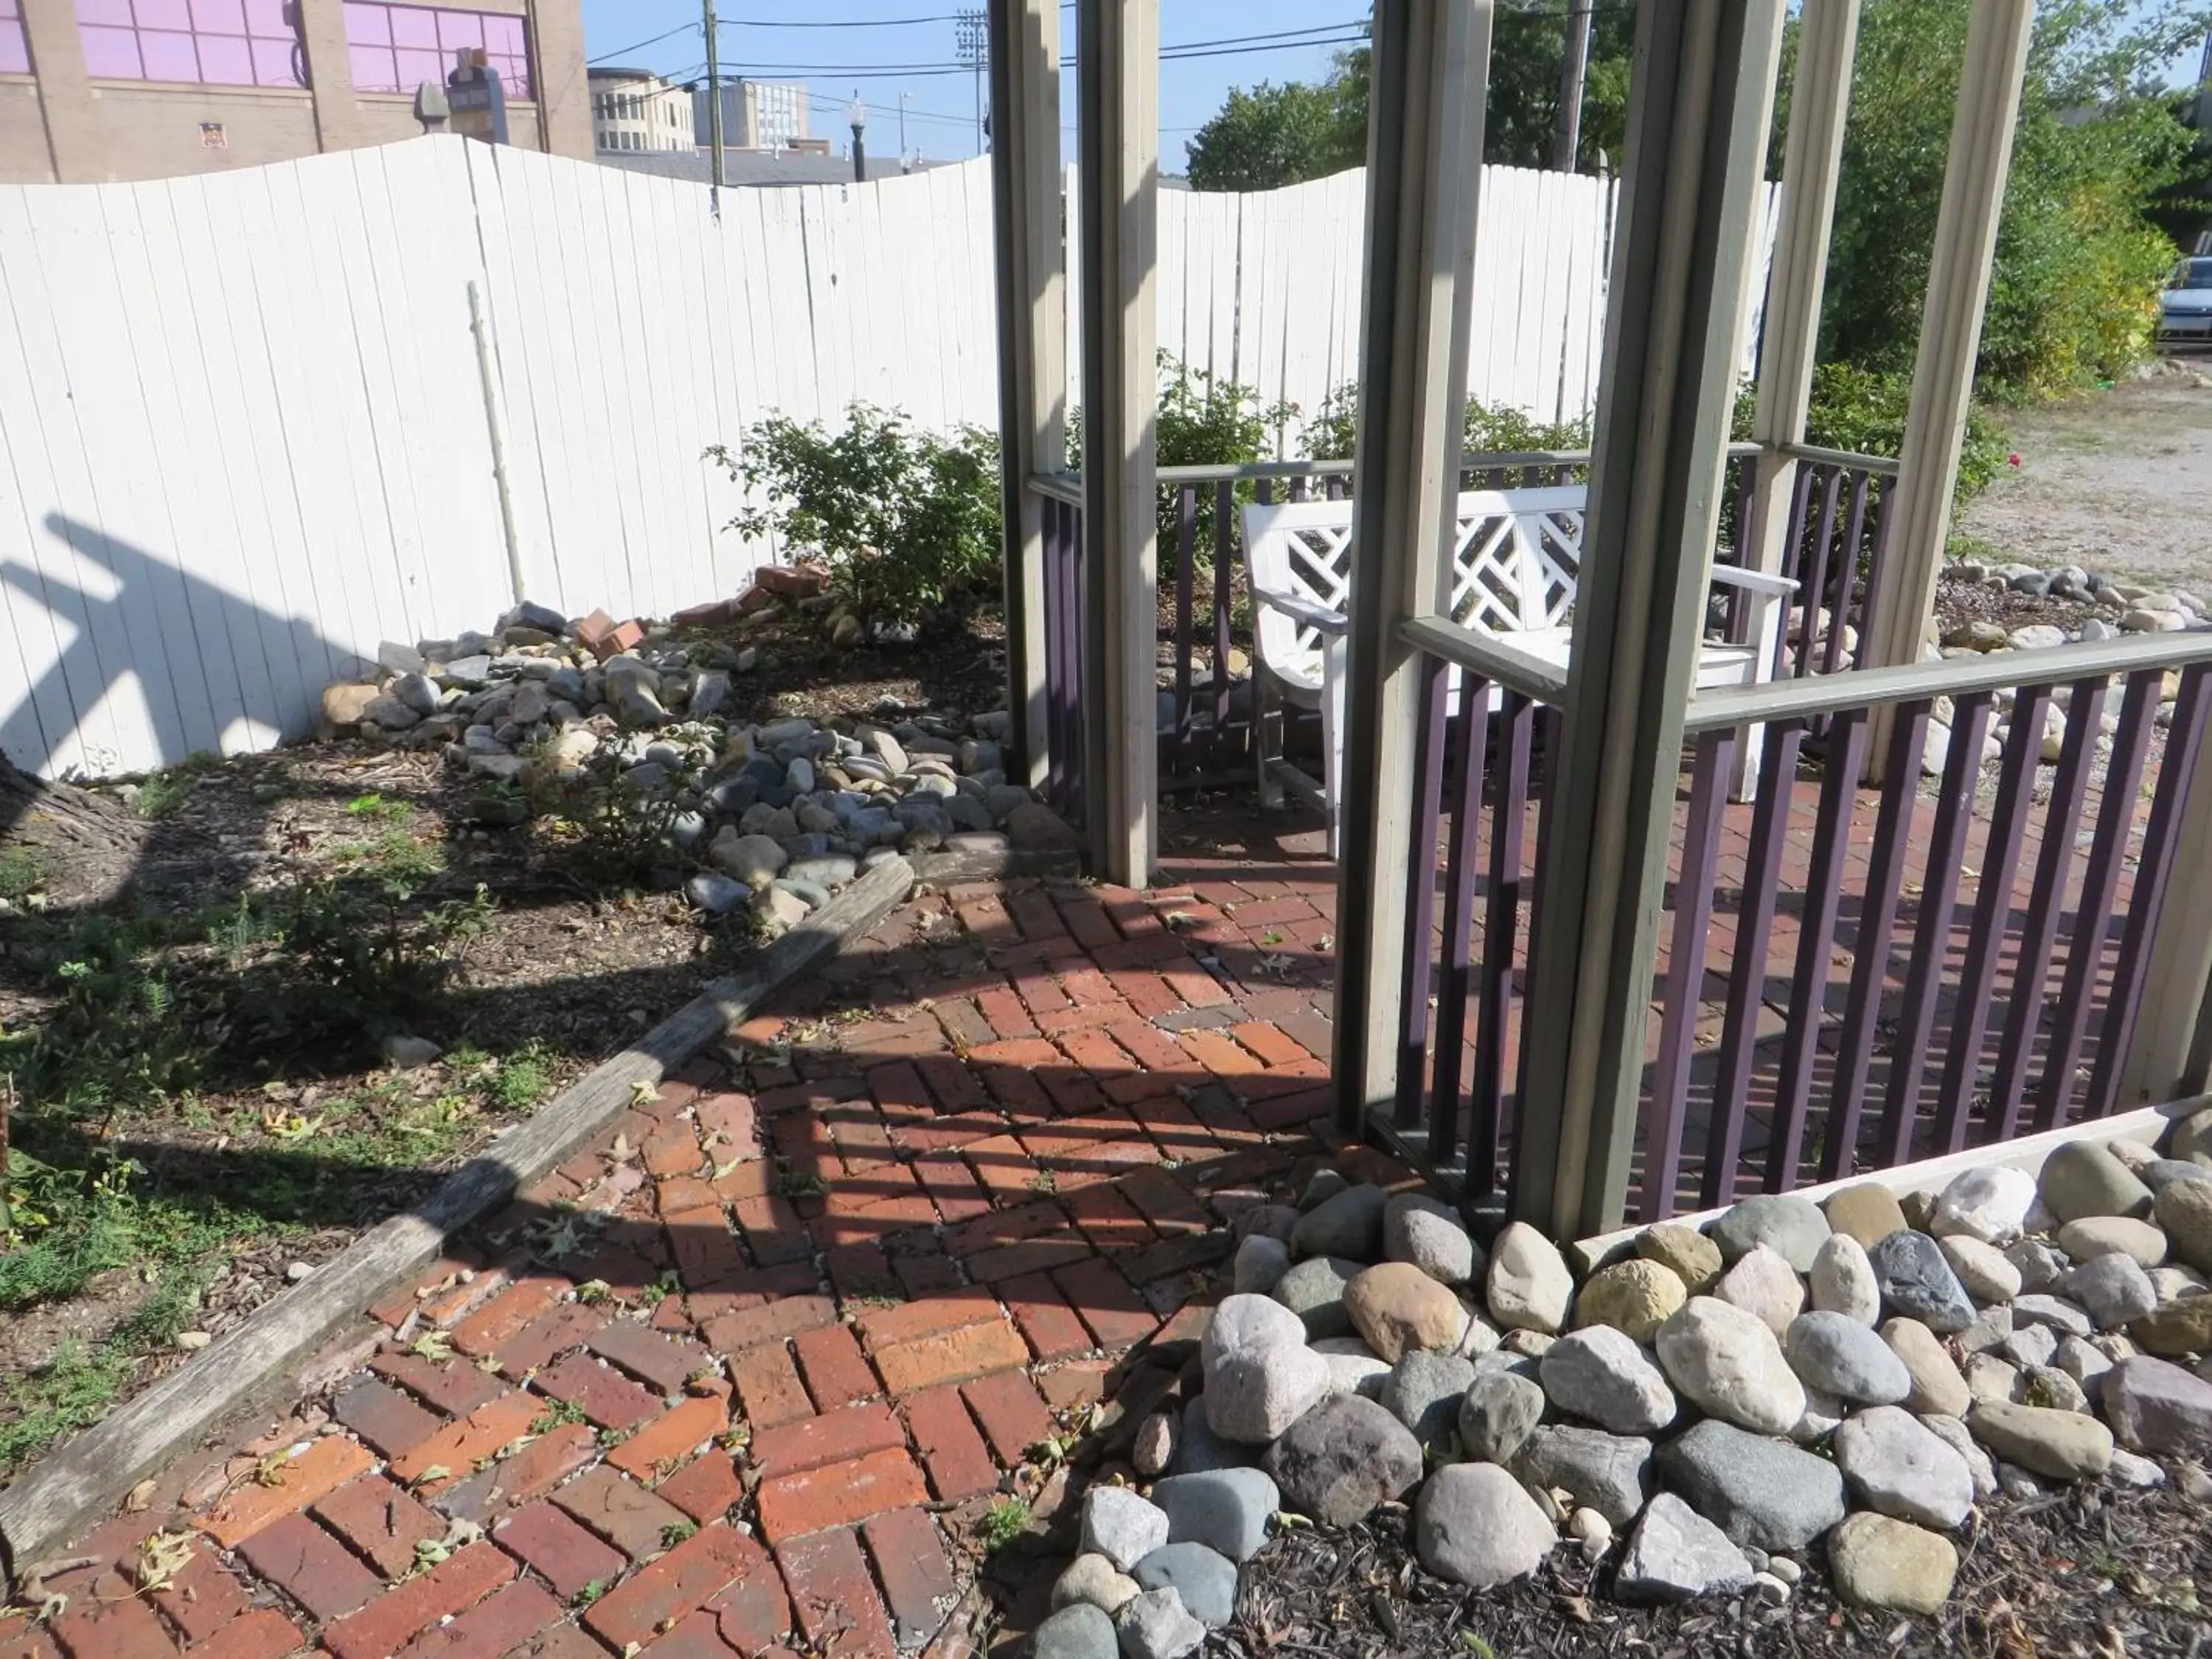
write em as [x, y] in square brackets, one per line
[240, 43]
[15, 51]
[395, 48]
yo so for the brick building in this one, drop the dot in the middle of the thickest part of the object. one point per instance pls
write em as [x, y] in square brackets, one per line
[94, 90]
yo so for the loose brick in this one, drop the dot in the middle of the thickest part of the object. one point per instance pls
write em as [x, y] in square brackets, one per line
[773, 1229]
[704, 1488]
[619, 1511]
[380, 1520]
[549, 1540]
[1033, 1255]
[121, 1626]
[662, 1593]
[769, 1386]
[263, 1633]
[202, 1597]
[566, 1326]
[507, 1314]
[917, 1579]
[657, 1360]
[319, 1572]
[752, 1614]
[1078, 1383]
[771, 1321]
[327, 1464]
[539, 1467]
[831, 1361]
[977, 1351]
[493, 1626]
[927, 1315]
[458, 1446]
[1013, 1417]
[387, 1624]
[385, 1416]
[859, 1272]
[601, 1393]
[706, 1251]
[657, 1448]
[952, 1450]
[455, 1388]
[838, 1494]
[833, 1437]
[836, 1603]
[1116, 1314]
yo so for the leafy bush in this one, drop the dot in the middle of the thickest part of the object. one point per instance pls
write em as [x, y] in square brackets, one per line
[1490, 428]
[1857, 410]
[903, 518]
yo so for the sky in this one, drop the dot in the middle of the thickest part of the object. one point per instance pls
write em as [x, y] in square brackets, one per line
[756, 36]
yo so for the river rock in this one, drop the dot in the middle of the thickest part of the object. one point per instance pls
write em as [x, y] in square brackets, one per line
[1841, 1357]
[2155, 1407]
[1155, 1625]
[1611, 1473]
[2060, 1316]
[1121, 1526]
[1897, 1466]
[1260, 1264]
[2083, 1178]
[1226, 1510]
[1529, 1287]
[1936, 1384]
[1635, 1297]
[2114, 1289]
[1603, 1374]
[1198, 1449]
[1868, 1213]
[1428, 1232]
[755, 860]
[1079, 1631]
[1790, 1226]
[1692, 1258]
[1476, 1525]
[2184, 1214]
[1497, 1415]
[1676, 1554]
[2176, 1328]
[1353, 1367]
[1423, 1392]
[1313, 1290]
[1988, 1203]
[2112, 1235]
[1205, 1579]
[1348, 1224]
[1762, 1283]
[1878, 1562]
[2041, 1266]
[1917, 1283]
[1152, 1449]
[2063, 1444]
[1842, 1280]
[1260, 1377]
[1728, 1363]
[1342, 1458]
[1400, 1309]
[1982, 1268]
[1093, 1579]
[1961, 1439]
[1992, 1379]
[1762, 1492]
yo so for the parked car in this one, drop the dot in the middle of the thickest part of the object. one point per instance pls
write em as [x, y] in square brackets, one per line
[2185, 308]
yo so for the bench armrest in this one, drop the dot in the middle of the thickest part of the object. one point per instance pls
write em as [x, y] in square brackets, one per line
[1303, 610]
[1756, 581]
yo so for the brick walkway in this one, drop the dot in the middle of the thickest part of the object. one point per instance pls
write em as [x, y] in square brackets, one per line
[743, 1377]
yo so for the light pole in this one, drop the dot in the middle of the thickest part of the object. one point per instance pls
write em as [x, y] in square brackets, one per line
[972, 36]
[903, 96]
[857, 114]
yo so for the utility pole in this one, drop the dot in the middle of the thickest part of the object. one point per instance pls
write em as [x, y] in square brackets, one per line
[972, 38]
[903, 96]
[1570, 135]
[713, 105]
[857, 114]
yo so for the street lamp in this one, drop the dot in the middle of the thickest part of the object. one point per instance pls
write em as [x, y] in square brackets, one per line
[904, 164]
[857, 114]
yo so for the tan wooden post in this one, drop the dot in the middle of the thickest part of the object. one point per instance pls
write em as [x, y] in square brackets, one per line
[2170, 1050]
[75, 142]
[1119, 181]
[1698, 117]
[1025, 189]
[1918, 508]
[1430, 73]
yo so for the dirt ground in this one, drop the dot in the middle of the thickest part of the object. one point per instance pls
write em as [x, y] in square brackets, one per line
[2118, 481]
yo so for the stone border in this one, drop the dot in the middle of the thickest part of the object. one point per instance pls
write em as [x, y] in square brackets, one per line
[2027, 1153]
[62, 1494]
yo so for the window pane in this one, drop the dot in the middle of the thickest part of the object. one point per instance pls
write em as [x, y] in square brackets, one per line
[111, 53]
[226, 60]
[266, 18]
[367, 26]
[103, 11]
[218, 17]
[173, 15]
[417, 67]
[15, 56]
[413, 27]
[459, 28]
[167, 57]
[372, 69]
[503, 34]
[276, 64]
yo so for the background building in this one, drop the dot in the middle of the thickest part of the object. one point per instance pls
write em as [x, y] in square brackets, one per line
[634, 110]
[94, 90]
[755, 114]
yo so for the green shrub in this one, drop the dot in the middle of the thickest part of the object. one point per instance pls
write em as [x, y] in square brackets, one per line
[1489, 428]
[1857, 410]
[904, 520]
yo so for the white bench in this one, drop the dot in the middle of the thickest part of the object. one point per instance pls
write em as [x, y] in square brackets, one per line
[1516, 554]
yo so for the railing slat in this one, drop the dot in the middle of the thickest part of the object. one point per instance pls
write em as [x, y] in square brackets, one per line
[1509, 810]
[1453, 988]
[1993, 896]
[1762, 871]
[1816, 936]
[1812, 594]
[1931, 938]
[1186, 555]
[1685, 973]
[2100, 877]
[1553, 720]
[1225, 567]
[1893, 834]
[2177, 775]
[1421, 894]
[1845, 605]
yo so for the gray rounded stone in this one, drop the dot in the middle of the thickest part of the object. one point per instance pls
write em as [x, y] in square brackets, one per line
[1609, 1472]
[1476, 1525]
[1122, 1526]
[1897, 1466]
[2063, 1445]
[1842, 1280]
[1841, 1357]
[1955, 1434]
[1790, 1226]
[1528, 1287]
[2041, 1266]
[2184, 1214]
[1878, 1562]
[2061, 1315]
[1728, 1363]
[1092, 1578]
[1758, 1491]
[1917, 1283]
[2083, 1178]
[1079, 1631]
[1260, 1265]
[2113, 1289]
[1204, 1579]
[1259, 1376]
[1342, 1458]
[1602, 1374]
[1155, 1625]
[1424, 1391]
[1353, 1367]
[1499, 1412]
[1226, 1510]
[1153, 1450]
[1348, 1224]
[1985, 1271]
[2114, 1235]
[1313, 1290]
[1198, 1449]
[1428, 1232]
[2155, 1407]
[1676, 1554]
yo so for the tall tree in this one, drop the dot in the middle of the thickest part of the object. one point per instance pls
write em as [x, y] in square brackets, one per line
[1268, 136]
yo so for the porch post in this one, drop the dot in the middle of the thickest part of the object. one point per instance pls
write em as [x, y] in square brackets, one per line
[1032, 316]
[1698, 116]
[2169, 1049]
[1431, 74]
[1918, 509]
[1117, 64]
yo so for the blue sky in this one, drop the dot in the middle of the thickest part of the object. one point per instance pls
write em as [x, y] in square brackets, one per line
[940, 108]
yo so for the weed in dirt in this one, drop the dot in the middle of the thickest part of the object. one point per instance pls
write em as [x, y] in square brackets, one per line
[374, 806]
[160, 794]
[22, 872]
[522, 1078]
[1002, 1523]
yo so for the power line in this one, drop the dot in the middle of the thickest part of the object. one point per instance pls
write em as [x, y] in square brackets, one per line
[621, 52]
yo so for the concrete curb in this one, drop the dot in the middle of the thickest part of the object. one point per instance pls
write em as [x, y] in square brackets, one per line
[56, 1497]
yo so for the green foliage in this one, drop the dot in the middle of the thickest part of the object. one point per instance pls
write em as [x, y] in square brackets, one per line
[22, 872]
[611, 832]
[904, 520]
[520, 1080]
[1270, 136]
[1856, 409]
[1002, 1523]
[1490, 428]
[75, 1387]
[374, 806]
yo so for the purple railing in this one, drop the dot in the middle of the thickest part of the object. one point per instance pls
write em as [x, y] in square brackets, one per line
[1833, 549]
[1063, 653]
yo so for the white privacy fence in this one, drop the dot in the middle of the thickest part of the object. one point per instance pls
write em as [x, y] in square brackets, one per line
[246, 430]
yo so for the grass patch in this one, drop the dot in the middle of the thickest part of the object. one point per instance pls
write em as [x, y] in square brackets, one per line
[160, 794]
[22, 872]
[1002, 1523]
[374, 806]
